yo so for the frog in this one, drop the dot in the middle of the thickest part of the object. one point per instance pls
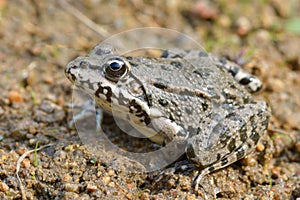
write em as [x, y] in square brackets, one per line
[183, 95]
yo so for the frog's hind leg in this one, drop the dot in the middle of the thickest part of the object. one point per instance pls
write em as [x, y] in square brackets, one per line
[241, 142]
[252, 83]
[241, 152]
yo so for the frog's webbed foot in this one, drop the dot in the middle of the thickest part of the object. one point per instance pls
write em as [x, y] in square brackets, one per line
[86, 108]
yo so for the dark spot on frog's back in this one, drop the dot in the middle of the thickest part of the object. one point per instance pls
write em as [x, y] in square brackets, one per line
[161, 84]
[202, 54]
[133, 64]
[163, 102]
[176, 64]
[189, 110]
[204, 106]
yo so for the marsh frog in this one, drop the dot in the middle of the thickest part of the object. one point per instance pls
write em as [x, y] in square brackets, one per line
[185, 95]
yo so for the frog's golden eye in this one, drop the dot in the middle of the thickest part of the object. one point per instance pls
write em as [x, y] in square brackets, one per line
[115, 68]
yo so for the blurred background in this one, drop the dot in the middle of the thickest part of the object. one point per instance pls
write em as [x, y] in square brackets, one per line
[39, 37]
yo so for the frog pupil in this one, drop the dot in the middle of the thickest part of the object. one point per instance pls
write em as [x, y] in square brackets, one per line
[115, 65]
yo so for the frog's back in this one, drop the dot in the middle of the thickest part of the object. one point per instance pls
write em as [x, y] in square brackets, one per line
[200, 76]
[187, 90]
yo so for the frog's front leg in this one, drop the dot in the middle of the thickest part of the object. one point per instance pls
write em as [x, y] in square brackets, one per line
[223, 139]
[86, 109]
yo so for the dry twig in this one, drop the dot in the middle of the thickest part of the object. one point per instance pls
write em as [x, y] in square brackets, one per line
[19, 164]
[84, 19]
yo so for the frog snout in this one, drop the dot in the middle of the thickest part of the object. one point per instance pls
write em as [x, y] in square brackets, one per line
[70, 71]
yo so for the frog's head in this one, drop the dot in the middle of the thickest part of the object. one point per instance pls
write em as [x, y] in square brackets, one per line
[98, 74]
[108, 78]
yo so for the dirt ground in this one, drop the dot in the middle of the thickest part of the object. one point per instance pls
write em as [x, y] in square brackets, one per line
[39, 37]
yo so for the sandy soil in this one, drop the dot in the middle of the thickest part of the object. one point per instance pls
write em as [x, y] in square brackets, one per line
[38, 38]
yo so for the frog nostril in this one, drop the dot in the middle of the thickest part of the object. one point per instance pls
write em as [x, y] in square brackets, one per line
[84, 64]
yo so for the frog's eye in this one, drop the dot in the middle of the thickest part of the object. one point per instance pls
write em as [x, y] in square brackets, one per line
[115, 69]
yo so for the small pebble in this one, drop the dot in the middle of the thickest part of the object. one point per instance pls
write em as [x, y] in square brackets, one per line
[36, 50]
[130, 185]
[73, 165]
[129, 196]
[111, 172]
[184, 184]
[224, 21]
[244, 26]
[22, 150]
[191, 197]
[260, 147]
[106, 179]
[67, 178]
[32, 130]
[3, 187]
[28, 79]
[111, 184]
[171, 183]
[14, 96]
[268, 18]
[283, 8]
[263, 36]
[1, 111]
[250, 161]
[32, 141]
[91, 188]
[26, 163]
[298, 146]
[276, 172]
[205, 10]
[49, 80]
[69, 187]
[46, 165]
[144, 196]
[71, 195]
